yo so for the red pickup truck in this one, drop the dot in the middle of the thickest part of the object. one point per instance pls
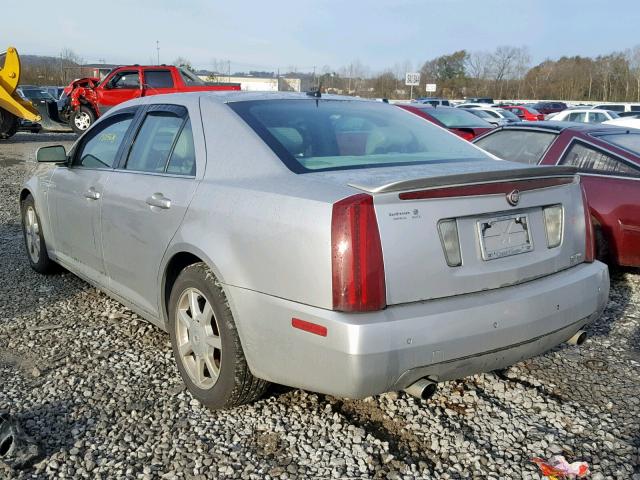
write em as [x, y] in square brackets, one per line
[86, 99]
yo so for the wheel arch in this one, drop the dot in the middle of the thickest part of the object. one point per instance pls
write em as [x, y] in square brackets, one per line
[176, 260]
[24, 193]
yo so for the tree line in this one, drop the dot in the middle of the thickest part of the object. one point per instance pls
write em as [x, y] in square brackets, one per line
[504, 73]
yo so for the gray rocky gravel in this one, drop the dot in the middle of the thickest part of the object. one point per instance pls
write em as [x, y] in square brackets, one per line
[97, 388]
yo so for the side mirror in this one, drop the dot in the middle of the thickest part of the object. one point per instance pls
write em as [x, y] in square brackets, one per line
[52, 154]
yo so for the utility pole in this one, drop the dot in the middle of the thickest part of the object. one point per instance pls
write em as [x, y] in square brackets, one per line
[314, 74]
[158, 50]
[229, 70]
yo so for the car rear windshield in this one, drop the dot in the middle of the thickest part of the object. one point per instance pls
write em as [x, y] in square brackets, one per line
[517, 145]
[628, 141]
[508, 114]
[457, 118]
[532, 111]
[324, 134]
[190, 79]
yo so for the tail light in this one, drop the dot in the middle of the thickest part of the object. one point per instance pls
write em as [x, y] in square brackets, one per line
[540, 117]
[356, 256]
[589, 247]
[448, 230]
[466, 135]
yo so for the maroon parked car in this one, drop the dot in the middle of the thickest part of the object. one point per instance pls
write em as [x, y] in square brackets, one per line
[457, 120]
[608, 161]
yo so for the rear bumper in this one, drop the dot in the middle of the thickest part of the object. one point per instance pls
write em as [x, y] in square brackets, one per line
[367, 354]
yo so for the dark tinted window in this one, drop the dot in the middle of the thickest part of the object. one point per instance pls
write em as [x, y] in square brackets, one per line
[517, 145]
[323, 134]
[100, 148]
[590, 159]
[154, 142]
[183, 157]
[158, 79]
[635, 108]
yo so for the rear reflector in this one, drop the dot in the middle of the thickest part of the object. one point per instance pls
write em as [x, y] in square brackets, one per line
[553, 224]
[309, 327]
[590, 246]
[448, 230]
[487, 188]
[356, 256]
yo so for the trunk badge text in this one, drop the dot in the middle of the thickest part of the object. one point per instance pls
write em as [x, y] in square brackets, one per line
[513, 197]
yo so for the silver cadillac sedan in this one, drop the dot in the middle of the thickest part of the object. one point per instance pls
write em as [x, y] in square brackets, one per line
[328, 243]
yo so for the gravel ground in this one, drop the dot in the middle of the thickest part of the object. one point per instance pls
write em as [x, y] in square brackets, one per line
[97, 387]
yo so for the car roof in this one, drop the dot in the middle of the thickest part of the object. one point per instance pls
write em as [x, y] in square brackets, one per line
[558, 127]
[240, 96]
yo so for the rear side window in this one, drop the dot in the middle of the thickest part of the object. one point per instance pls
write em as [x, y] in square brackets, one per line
[325, 134]
[158, 79]
[590, 159]
[517, 145]
[183, 157]
[163, 144]
[597, 117]
[100, 149]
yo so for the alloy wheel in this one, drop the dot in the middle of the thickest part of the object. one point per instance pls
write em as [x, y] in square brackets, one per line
[32, 234]
[198, 338]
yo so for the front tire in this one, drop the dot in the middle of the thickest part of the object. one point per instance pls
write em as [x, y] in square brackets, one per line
[82, 119]
[205, 342]
[34, 238]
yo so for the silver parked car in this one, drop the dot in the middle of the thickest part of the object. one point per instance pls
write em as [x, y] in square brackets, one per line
[334, 244]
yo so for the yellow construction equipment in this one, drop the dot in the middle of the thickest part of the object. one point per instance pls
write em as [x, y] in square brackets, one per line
[12, 106]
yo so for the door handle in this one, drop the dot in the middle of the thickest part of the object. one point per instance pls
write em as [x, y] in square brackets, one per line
[91, 194]
[159, 200]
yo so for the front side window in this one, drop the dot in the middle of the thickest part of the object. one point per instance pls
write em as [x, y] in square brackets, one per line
[319, 134]
[517, 145]
[590, 159]
[126, 80]
[577, 117]
[100, 149]
[158, 79]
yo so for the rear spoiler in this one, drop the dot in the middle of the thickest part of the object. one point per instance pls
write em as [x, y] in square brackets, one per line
[496, 176]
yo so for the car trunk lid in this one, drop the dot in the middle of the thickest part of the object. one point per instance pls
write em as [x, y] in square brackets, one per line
[501, 242]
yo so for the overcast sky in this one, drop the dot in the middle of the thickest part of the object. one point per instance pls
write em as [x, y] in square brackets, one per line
[263, 34]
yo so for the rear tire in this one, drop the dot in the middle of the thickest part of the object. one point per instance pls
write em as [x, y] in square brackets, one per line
[34, 238]
[9, 124]
[82, 119]
[602, 248]
[205, 342]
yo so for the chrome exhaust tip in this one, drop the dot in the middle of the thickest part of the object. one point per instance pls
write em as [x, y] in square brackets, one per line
[578, 339]
[422, 389]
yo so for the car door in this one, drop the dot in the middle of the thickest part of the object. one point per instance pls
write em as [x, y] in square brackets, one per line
[122, 86]
[147, 199]
[75, 195]
[612, 185]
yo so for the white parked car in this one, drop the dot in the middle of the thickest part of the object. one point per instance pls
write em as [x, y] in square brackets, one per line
[619, 107]
[583, 115]
[630, 122]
